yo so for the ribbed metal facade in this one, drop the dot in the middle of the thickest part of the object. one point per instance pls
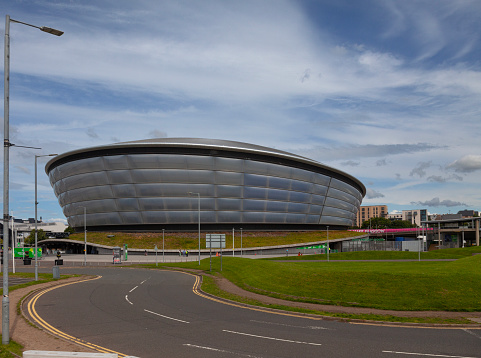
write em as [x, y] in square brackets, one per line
[145, 185]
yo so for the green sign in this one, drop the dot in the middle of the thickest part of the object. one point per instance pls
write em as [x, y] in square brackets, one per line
[322, 246]
[30, 251]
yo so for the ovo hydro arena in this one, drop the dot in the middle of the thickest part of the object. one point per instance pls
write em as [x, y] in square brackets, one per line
[175, 183]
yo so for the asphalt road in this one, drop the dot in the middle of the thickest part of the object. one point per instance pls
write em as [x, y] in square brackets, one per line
[149, 313]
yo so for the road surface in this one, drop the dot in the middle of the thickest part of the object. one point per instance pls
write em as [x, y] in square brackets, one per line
[150, 313]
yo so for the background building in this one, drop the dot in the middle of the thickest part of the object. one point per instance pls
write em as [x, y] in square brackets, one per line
[468, 213]
[20, 229]
[415, 216]
[145, 185]
[373, 211]
[395, 217]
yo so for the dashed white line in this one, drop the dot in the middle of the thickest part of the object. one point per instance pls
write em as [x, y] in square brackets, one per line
[161, 315]
[426, 354]
[220, 350]
[272, 338]
[133, 289]
[288, 325]
[127, 299]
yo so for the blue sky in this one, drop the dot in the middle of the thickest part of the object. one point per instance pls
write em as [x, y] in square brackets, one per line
[387, 91]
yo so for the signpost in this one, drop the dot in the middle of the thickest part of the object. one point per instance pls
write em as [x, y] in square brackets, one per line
[215, 241]
[117, 259]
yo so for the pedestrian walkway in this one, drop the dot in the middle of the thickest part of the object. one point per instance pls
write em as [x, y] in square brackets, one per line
[71, 260]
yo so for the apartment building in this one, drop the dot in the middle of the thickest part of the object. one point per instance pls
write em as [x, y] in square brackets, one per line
[372, 211]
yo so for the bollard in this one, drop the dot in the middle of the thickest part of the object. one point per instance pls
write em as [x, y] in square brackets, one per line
[56, 272]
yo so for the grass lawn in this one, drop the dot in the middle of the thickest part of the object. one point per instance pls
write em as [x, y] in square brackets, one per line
[447, 286]
[387, 255]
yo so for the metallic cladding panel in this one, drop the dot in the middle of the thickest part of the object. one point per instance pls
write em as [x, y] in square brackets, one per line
[153, 189]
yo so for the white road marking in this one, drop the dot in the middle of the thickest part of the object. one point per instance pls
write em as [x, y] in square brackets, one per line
[220, 350]
[472, 333]
[145, 280]
[426, 354]
[161, 315]
[288, 325]
[133, 289]
[127, 299]
[272, 338]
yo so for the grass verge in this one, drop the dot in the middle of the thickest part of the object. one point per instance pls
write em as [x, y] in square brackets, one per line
[454, 254]
[209, 286]
[42, 278]
[400, 286]
[11, 350]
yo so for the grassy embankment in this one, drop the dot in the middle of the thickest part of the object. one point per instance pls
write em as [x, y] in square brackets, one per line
[190, 240]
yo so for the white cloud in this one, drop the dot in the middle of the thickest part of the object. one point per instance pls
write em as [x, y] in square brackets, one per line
[435, 202]
[373, 194]
[466, 164]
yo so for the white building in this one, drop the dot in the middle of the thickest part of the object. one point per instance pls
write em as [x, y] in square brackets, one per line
[415, 216]
[22, 228]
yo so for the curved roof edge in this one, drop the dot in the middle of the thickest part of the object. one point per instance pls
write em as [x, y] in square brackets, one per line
[203, 143]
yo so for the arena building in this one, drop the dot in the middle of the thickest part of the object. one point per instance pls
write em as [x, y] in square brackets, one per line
[157, 184]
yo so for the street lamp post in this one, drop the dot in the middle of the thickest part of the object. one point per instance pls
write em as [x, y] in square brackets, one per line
[6, 173]
[85, 235]
[327, 243]
[198, 210]
[36, 203]
[241, 240]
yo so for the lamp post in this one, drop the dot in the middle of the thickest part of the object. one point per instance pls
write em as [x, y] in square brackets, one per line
[6, 164]
[85, 235]
[328, 243]
[198, 209]
[241, 241]
[36, 203]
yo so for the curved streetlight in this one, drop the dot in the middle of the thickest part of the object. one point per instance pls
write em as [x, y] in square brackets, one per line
[6, 173]
[85, 235]
[36, 203]
[198, 209]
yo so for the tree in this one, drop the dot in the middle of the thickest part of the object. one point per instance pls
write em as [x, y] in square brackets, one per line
[376, 222]
[30, 239]
[382, 223]
[401, 224]
[69, 229]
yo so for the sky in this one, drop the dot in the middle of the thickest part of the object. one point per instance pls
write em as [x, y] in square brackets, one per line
[386, 91]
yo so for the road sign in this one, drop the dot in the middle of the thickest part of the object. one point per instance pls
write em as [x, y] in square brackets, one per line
[215, 241]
